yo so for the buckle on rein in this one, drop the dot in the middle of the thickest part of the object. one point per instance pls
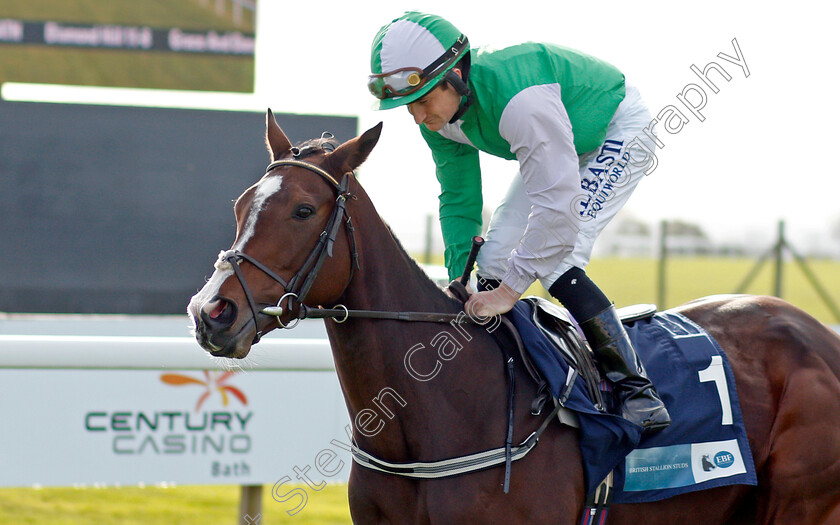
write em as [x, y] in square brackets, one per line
[278, 311]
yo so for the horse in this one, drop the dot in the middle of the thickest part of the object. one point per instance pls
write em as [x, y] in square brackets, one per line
[308, 235]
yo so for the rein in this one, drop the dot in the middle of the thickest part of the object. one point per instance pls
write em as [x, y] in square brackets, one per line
[341, 313]
[298, 287]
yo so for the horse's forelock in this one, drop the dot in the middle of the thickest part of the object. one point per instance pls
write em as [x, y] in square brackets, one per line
[312, 146]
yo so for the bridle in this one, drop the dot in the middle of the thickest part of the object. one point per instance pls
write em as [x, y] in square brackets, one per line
[297, 288]
[299, 285]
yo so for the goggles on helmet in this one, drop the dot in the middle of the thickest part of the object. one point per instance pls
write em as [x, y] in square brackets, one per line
[408, 80]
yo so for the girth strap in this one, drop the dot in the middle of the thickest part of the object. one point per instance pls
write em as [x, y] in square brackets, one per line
[481, 460]
[471, 463]
[454, 466]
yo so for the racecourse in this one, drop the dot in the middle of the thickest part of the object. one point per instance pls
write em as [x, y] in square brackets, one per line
[634, 280]
[626, 280]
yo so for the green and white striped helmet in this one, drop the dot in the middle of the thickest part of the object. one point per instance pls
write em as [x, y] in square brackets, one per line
[410, 56]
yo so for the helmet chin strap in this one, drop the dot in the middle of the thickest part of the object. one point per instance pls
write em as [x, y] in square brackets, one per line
[456, 82]
[460, 87]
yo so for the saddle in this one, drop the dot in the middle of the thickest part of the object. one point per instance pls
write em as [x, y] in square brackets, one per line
[557, 325]
[678, 355]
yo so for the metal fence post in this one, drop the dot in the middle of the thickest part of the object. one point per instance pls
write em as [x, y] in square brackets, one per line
[663, 256]
[777, 251]
[780, 260]
[250, 505]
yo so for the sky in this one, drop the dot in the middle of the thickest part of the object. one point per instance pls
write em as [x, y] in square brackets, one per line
[761, 153]
[760, 150]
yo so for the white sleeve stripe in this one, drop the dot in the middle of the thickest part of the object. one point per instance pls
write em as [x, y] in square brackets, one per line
[537, 127]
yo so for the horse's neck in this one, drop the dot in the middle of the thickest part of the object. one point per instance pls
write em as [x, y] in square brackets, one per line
[388, 277]
[387, 280]
[371, 355]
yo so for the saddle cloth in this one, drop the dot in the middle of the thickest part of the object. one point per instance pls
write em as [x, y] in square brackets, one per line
[706, 444]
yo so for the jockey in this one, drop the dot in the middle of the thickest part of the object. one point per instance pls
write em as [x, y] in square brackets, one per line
[570, 121]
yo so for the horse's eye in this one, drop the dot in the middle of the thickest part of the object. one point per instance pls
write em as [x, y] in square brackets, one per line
[303, 211]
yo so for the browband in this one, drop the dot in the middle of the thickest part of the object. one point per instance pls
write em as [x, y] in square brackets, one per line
[311, 167]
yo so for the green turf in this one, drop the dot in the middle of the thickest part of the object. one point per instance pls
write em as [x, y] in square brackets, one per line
[102, 67]
[186, 505]
[186, 14]
[126, 68]
[628, 281]
[636, 280]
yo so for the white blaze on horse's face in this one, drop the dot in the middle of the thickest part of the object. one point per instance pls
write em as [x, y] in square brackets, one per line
[263, 191]
[202, 299]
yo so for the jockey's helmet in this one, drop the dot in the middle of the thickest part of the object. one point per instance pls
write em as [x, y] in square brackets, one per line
[410, 56]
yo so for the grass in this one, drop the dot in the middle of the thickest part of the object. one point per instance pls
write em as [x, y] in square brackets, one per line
[629, 281]
[110, 68]
[183, 505]
[126, 68]
[186, 14]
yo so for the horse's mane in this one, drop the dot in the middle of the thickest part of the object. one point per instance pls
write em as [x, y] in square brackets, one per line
[413, 263]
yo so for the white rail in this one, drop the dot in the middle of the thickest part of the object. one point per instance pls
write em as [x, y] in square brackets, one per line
[146, 352]
[148, 343]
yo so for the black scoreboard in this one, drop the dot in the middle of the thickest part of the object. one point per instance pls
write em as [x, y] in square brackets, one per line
[109, 209]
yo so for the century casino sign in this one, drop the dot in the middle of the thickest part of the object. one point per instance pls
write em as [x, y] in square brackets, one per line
[177, 431]
[121, 426]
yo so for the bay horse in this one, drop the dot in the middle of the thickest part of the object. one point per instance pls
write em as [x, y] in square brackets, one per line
[410, 400]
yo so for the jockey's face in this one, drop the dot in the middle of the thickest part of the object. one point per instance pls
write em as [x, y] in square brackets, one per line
[436, 108]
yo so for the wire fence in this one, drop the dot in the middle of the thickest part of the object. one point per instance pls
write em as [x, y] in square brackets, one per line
[676, 271]
[777, 254]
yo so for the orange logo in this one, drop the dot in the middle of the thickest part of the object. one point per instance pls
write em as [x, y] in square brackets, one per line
[212, 380]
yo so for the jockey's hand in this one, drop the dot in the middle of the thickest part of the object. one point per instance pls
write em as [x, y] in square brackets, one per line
[491, 302]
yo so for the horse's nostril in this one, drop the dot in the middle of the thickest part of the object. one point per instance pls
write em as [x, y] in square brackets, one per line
[218, 313]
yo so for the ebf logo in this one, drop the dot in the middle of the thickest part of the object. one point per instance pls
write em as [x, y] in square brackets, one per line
[724, 459]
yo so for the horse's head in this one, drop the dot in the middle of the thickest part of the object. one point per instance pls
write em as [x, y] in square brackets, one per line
[293, 245]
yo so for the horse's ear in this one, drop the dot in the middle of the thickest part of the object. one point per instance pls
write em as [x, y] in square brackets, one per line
[354, 152]
[275, 140]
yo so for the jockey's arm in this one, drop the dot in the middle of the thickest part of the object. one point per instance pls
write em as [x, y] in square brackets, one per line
[461, 203]
[536, 125]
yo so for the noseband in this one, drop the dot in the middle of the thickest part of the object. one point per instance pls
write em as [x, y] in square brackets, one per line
[299, 285]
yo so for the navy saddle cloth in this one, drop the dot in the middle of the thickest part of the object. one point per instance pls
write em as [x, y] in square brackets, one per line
[706, 444]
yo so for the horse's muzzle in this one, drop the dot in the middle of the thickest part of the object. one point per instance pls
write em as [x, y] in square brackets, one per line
[215, 328]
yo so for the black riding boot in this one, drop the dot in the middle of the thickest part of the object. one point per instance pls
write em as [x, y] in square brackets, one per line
[640, 404]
